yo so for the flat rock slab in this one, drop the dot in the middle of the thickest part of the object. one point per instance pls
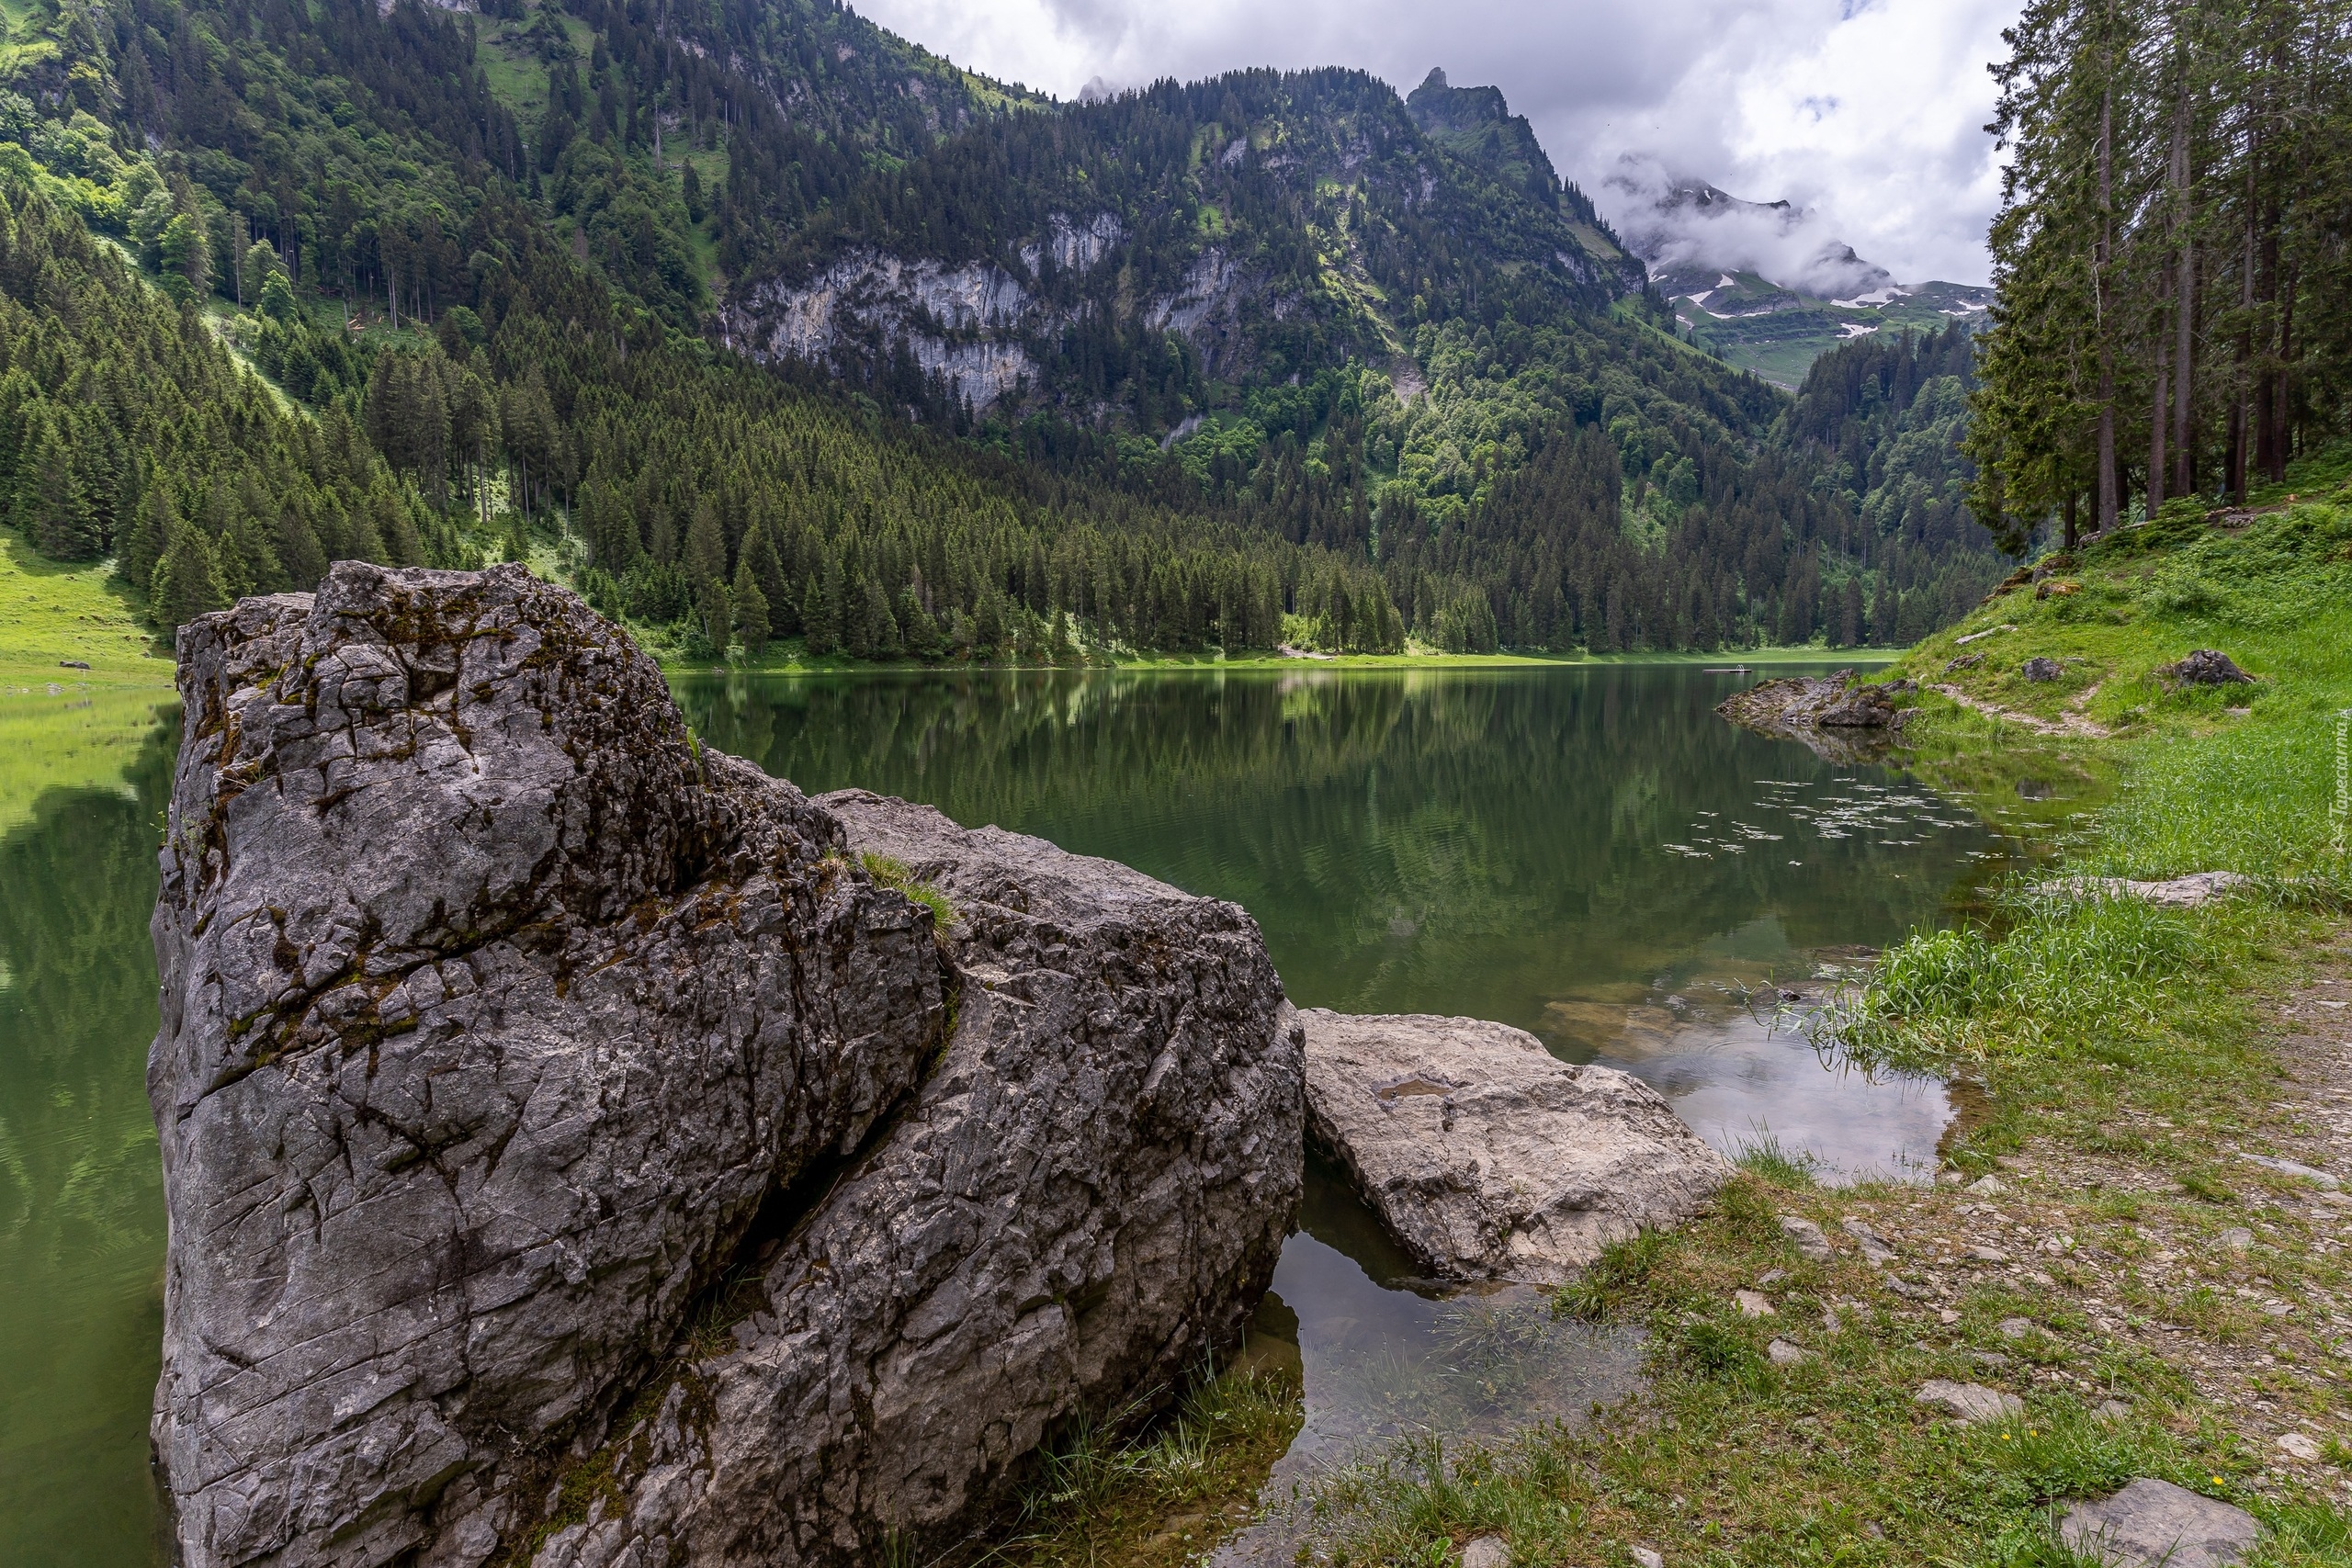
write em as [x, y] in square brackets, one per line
[1970, 1401]
[2177, 893]
[2152, 1522]
[1487, 1156]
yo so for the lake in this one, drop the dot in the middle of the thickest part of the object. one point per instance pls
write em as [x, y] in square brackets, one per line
[1585, 851]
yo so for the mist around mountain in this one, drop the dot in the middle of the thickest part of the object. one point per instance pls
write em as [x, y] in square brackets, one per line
[1762, 283]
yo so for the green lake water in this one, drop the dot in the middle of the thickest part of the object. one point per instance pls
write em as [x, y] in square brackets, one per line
[1585, 851]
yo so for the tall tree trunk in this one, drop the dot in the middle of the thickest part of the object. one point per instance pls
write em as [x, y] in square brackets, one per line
[2110, 503]
[2238, 394]
[2159, 411]
[2184, 307]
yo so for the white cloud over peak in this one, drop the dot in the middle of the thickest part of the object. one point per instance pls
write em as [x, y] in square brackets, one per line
[1867, 112]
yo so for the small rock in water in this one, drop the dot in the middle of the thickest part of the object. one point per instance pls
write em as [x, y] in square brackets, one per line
[2015, 1328]
[2237, 1238]
[1807, 1237]
[1784, 1354]
[2303, 1445]
[2153, 1522]
[2042, 668]
[1752, 1304]
[1646, 1556]
[1990, 1186]
[1970, 1401]
[1486, 1552]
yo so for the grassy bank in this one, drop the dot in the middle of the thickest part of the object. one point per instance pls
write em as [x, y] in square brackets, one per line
[61, 726]
[791, 659]
[2104, 1243]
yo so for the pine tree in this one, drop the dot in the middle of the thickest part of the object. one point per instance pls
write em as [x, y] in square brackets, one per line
[51, 506]
[150, 536]
[187, 580]
[750, 609]
[919, 631]
[716, 617]
[818, 618]
[705, 552]
[882, 636]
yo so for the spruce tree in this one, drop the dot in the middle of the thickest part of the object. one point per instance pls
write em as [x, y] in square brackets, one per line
[705, 553]
[149, 538]
[882, 634]
[818, 618]
[187, 580]
[751, 608]
[715, 617]
[50, 504]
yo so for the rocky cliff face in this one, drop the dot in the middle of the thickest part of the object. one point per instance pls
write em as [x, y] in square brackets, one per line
[571, 1153]
[974, 324]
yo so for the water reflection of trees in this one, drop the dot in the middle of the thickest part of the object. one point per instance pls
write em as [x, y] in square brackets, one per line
[1475, 841]
[81, 1190]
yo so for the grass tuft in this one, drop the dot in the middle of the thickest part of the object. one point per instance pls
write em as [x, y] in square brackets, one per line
[893, 873]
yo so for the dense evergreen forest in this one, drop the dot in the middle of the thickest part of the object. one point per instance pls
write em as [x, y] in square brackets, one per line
[488, 262]
[2176, 286]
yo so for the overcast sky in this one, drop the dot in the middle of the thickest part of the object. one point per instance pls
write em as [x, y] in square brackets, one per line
[1870, 112]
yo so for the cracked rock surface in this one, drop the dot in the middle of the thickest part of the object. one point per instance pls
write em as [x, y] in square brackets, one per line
[1489, 1157]
[504, 1029]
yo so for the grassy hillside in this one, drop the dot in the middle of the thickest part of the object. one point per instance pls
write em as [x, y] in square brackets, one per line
[60, 725]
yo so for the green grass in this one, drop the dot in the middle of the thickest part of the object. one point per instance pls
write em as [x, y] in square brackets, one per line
[2125, 1043]
[893, 873]
[1730, 1460]
[1153, 1495]
[62, 727]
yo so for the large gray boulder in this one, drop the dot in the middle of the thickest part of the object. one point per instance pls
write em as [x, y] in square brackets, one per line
[1487, 1156]
[1088, 1193]
[529, 1075]
[2153, 1524]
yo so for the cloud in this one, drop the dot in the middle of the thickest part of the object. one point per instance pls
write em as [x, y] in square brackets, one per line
[1869, 113]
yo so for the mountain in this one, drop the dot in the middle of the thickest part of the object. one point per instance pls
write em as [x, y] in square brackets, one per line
[759, 305]
[1759, 283]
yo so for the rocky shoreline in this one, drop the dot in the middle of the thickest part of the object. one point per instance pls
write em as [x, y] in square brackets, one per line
[582, 1149]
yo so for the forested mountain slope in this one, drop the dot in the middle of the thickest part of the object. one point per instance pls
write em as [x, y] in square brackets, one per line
[1163, 370]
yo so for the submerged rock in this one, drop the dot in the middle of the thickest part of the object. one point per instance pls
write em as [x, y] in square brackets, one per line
[1487, 1156]
[1837, 717]
[2153, 1522]
[508, 1036]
